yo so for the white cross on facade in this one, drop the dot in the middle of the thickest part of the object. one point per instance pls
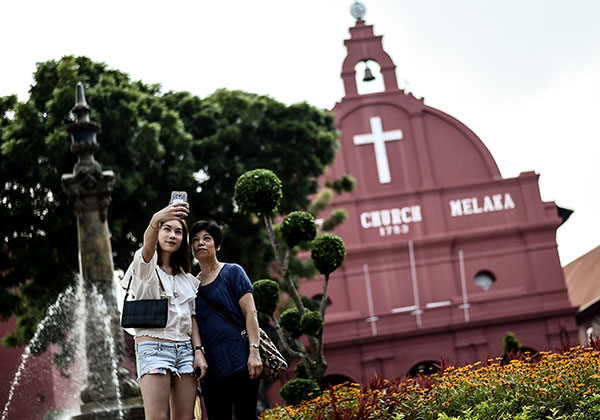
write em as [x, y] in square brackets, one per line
[378, 137]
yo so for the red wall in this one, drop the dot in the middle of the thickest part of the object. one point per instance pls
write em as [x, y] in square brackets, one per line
[34, 396]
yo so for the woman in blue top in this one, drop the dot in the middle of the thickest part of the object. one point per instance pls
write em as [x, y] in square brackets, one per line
[234, 364]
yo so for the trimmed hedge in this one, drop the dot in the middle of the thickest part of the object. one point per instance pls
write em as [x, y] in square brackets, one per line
[298, 226]
[290, 321]
[311, 323]
[328, 253]
[266, 296]
[298, 390]
[258, 191]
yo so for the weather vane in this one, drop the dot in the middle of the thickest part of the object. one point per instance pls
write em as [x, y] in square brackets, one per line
[358, 10]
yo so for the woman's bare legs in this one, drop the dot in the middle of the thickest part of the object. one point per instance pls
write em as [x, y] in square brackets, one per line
[155, 392]
[183, 396]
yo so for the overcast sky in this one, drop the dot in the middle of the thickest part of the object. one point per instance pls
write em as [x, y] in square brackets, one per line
[523, 75]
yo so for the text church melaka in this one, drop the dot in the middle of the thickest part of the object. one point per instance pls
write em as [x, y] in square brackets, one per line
[444, 256]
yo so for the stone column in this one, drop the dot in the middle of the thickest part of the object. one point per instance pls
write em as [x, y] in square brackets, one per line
[89, 190]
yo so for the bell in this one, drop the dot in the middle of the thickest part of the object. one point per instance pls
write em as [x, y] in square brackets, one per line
[368, 75]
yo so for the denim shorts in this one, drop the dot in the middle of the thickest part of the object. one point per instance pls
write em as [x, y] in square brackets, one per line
[153, 357]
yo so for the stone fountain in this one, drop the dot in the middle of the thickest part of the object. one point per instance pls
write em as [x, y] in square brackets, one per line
[110, 392]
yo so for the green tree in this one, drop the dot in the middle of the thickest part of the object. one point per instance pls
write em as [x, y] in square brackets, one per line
[154, 142]
[142, 141]
[241, 131]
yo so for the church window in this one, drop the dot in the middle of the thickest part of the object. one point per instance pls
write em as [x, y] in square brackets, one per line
[484, 279]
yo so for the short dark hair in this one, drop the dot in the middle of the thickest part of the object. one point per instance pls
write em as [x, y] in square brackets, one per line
[180, 259]
[211, 227]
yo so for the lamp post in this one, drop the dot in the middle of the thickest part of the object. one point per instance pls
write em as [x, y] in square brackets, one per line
[109, 386]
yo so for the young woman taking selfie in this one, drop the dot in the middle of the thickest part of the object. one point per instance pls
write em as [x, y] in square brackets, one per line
[165, 357]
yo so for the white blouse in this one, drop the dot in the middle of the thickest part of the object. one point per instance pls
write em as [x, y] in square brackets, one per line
[180, 290]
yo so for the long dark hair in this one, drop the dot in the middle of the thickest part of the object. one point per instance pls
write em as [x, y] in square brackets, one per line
[180, 259]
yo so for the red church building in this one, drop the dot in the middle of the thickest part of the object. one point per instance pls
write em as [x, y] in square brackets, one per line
[444, 256]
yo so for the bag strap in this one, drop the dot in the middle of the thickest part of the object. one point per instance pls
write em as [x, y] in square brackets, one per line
[220, 311]
[131, 278]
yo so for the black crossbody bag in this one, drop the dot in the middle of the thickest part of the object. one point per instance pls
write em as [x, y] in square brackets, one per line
[145, 313]
[274, 364]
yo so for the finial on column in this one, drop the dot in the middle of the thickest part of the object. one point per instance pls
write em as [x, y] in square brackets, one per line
[83, 130]
[358, 10]
[81, 108]
[88, 187]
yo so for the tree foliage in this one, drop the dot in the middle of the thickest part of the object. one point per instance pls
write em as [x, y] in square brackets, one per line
[298, 390]
[328, 253]
[258, 191]
[154, 142]
[298, 226]
[266, 296]
[290, 321]
[311, 323]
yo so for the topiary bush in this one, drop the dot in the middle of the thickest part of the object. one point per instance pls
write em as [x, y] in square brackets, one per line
[311, 323]
[343, 184]
[336, 218]
[347, 183]
[298, 390]
[290, 321]
[311, 304]
[510, 343]
[266, 296]
[258, 191]
[300, 371]
[512, 347]
[298, 226]
[321, 201]
[328, 253]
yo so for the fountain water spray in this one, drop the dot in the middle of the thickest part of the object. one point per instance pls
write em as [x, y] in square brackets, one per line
[102, 311]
